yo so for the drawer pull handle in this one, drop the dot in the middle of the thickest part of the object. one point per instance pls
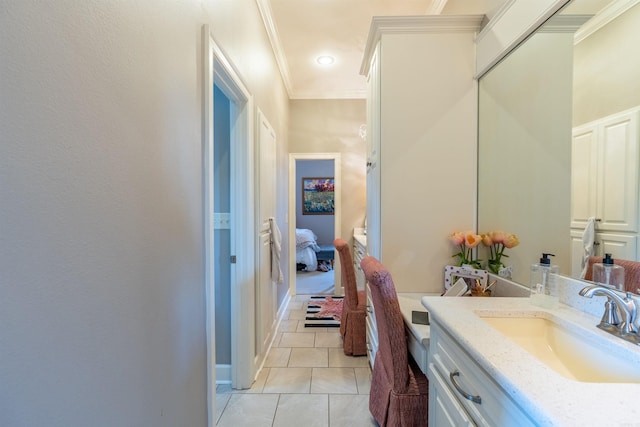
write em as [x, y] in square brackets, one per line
[468, 396]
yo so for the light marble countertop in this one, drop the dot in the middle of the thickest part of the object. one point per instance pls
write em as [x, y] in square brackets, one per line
[550, 398]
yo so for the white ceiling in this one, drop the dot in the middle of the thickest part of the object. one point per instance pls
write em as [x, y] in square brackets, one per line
[302, 30]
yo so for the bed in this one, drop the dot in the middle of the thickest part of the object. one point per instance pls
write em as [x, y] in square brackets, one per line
[308, 252]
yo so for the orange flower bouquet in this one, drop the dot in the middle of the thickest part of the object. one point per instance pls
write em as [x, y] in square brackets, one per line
[497, 242]
[466, 242]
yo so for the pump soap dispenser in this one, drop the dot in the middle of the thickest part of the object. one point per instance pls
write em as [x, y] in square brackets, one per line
[544, 290]
[608, 273]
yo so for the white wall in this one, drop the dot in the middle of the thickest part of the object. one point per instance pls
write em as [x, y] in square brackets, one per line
[101, 260]
[606, 70]
[332, 126]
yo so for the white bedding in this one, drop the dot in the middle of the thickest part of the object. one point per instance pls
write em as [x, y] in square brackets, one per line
[306, 247]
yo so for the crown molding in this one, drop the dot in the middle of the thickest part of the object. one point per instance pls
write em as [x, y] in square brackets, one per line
[264, 6]
[495, 19]
[564, 23]
[604, 17]
[416, 25]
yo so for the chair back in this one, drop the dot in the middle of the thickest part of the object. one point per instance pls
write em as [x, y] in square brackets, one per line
[348, 273]
[392, 342]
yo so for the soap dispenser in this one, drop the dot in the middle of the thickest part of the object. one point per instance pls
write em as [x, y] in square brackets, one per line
[544, 290]
[608, 273]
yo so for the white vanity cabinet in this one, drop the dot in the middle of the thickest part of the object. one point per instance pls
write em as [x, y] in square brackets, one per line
[605, 156]
[461, 393]
[359, 251]
[372, 329]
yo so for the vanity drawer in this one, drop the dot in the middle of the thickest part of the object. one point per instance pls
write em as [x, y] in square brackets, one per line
[446, 410]
[419, 352]
[496, 408]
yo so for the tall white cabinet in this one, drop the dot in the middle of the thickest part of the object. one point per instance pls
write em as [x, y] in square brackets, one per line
[605, 185]
[422, 144]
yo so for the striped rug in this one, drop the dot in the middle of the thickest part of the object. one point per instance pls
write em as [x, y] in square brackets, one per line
[323, 312]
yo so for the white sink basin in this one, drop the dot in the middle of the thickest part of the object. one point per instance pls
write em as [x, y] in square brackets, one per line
[567, 352]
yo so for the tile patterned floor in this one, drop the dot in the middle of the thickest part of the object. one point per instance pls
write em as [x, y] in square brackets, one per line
[306, 381]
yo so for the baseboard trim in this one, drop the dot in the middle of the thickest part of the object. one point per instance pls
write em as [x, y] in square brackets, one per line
[223, 374]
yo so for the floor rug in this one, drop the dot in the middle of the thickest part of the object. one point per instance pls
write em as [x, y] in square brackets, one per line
[323, 312]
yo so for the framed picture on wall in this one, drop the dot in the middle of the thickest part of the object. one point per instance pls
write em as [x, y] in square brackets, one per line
[318, 196]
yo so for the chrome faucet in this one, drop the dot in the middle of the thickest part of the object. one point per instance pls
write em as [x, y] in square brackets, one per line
[615, 303]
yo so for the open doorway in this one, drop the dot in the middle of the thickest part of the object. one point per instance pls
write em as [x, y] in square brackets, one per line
[315, 227]
[314, 224]
[229, 239]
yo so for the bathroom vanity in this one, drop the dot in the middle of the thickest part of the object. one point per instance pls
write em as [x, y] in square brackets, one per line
[486, 366]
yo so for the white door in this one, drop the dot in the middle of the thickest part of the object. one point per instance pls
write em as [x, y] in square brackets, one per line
[266, 296]
[583, 175]
[617, 193]
[620, 246]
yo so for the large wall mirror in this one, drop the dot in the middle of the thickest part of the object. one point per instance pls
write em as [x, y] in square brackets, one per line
[580, 67]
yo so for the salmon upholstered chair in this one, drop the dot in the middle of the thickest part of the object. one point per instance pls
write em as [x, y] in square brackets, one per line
[353, 320]
[631, 272]
[399, 393]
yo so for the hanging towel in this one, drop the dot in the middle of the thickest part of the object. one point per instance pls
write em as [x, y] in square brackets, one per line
[588, 237]
[276, 248]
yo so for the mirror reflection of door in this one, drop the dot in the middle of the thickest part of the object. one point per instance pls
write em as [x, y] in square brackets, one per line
[315, 227]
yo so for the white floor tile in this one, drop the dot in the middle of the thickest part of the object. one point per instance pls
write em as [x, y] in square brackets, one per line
[292, 339]
[258, 385]
[276, 340]
[223, 388]
[278, 357]
[289, 325]
[337, 359]
[334, 380]
[329, 339]
[296, 305]
[302, 410]
[288, 380]
[350, 411]
[304, 329]
[254, 410]
[221, 402]
[309, 358]
[363, 378]
[297, 314]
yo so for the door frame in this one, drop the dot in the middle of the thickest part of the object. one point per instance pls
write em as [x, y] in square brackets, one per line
[337, 231]
[218, 70]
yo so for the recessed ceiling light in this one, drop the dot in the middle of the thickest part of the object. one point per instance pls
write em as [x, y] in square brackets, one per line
[325, 60]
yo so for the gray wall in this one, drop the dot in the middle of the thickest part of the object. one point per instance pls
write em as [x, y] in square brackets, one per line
[101, 249]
